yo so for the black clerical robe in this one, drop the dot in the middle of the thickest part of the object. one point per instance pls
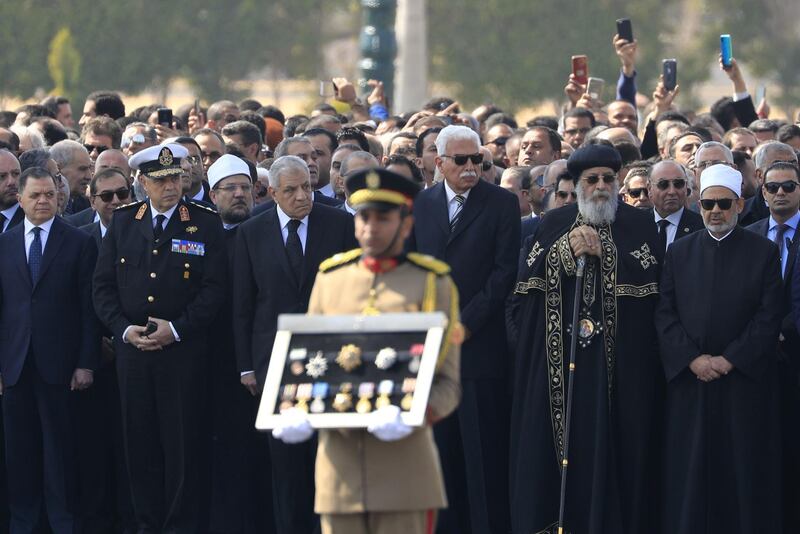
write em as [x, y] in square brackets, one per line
[722, 467]
[612, 482]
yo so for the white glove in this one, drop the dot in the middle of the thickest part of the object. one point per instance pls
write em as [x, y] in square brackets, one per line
[294, 427]
[387, 425]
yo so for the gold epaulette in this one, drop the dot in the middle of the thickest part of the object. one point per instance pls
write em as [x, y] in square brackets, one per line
[124, 206]
[202, 206]
[429, 263]
[337, 260]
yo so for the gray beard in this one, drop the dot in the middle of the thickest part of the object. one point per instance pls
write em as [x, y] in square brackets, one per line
[599, 209]
[725, 227]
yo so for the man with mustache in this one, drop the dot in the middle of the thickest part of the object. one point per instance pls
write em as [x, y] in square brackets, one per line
[718, 325]
[474, 227]
[613, 456]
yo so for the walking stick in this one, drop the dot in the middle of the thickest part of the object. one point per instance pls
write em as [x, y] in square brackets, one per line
[581, 264]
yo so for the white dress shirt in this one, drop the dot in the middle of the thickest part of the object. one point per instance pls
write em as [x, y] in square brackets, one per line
[674, 221]
[103, 229]
[9, 214]
[29, 226]
[452, 203]
[302, 230]
[788, 237]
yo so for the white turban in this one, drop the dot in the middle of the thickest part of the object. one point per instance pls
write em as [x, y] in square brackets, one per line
[723, 175]
[226, 166]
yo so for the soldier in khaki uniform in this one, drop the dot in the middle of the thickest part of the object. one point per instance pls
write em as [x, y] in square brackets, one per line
[375, 481]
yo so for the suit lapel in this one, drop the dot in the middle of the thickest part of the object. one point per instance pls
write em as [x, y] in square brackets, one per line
[472, 207]
[54, 242]
[440, 211]
[314, 239]
[19, 253]
[274, 245]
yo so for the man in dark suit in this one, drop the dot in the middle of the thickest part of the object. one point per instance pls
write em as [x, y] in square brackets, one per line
[668, 186]
[108, 159]
[473, 226]
[50, 347]
[781, 189]
[104, 498]
[276, 260]
[755, 207]
[158, 286]
[10, 213]
[237, 505]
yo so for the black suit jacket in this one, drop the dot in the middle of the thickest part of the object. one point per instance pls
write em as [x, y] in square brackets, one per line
[745, 111]
[689, 223]
[52, 319]
[755, 209]
[788, 329]
[482, 252]
[82, 218]
[16, 219]
[93, 229]
[528, 228]
[319, 198]
[264, 285]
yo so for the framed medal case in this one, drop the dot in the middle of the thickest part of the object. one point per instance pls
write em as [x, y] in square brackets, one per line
[341, 368]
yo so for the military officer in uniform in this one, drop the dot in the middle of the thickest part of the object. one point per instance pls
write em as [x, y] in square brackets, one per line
[386, 479]
[158, 285]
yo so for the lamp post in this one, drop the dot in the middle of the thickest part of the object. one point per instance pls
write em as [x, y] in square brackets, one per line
[378, 45]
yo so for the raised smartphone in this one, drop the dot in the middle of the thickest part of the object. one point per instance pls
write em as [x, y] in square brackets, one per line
[726, 48]
[580, 69]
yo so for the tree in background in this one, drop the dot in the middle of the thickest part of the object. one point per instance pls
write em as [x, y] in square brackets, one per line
[64, 64]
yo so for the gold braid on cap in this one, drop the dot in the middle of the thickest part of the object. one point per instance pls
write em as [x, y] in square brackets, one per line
[363, 196]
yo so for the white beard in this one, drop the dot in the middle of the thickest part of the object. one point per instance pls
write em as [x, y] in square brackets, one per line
[601, 207]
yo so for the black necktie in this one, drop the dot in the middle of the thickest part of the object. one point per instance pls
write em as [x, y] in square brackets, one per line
[3, 220]
[294, 248]
[35, 254]
[662, 233]
[460, 201]
[158, 229]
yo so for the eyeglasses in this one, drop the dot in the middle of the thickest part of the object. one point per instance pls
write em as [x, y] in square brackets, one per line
[212, 156]
[788, 187]
[461, 159]
[107, 196]
[194, 160]
[564, 194]
[261, 190]
[723, 203]
[574, 131]
[500, 141]
[638, 192]
[709, 163]
[594, 178]
[135, 138]
[100, 149]
[677, 183]
[232, 188]
[486, 165]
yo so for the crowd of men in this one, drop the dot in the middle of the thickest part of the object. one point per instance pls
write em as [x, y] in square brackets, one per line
[144, 265]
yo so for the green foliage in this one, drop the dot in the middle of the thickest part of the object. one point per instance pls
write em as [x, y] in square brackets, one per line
[517, 52]
[64, 63]
[132, 45]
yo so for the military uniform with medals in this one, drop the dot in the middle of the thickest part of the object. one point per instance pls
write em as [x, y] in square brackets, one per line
[176, 274]
[362, 483]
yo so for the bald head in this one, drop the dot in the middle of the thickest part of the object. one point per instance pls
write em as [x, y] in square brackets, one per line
[113, 159]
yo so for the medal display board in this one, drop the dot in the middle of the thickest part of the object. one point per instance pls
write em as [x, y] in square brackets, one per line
[341, 368]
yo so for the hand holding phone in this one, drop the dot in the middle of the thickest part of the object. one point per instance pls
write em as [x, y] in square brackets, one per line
[150, 328]
[625, 29]
[580, 69]
[670, 73]
[165, 117]
[726, 49]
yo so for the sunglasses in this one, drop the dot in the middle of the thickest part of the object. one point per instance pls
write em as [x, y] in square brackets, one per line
[788, 187]
[461, 159]
[607, 178]
[723, 203]
[100, 149]
[107, 196]
[677, 183]
[638, 192]
[563, 195]
[486, 165]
